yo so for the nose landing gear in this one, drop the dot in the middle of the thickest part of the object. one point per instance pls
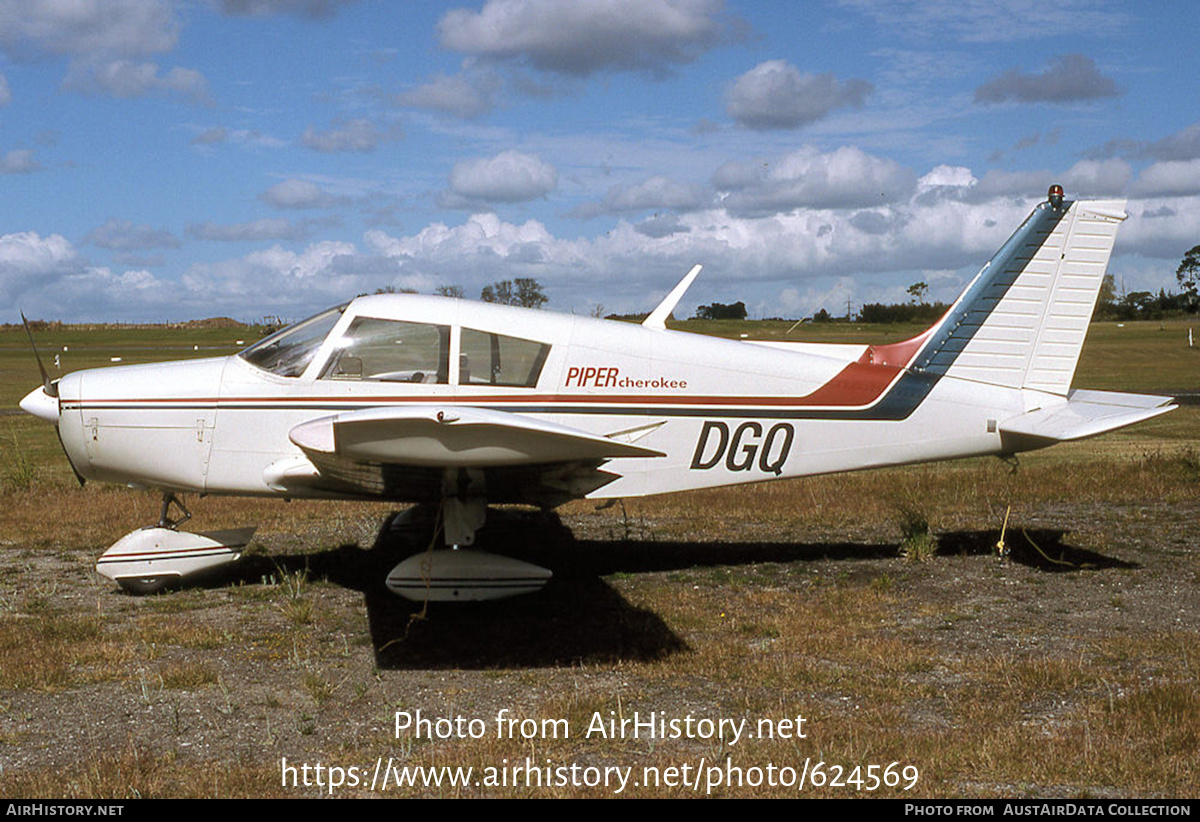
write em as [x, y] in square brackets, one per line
[149, 559]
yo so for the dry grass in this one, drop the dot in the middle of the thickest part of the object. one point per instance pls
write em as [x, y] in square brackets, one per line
[186, 675]
[995, 679]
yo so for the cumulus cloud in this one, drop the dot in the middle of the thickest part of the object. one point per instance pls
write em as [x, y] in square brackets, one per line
[127, 79]
[29, 260]
[509, 177]
[992, 21]
[1169, 178]
[864, 253]
[1087, 178]
[661, 226]
[296, 194]
[654, 193]
[777, 95]
[1158, 213]
[801, 245]
[997, 183]
[103, 40]
[483, 249]
[467, 95]
[318, 259]
[19, 161]
[1182, 145]
[252, 138]
[124, 235]
[807, 178]
[582, 38]
[1070, 78]
[29, 28]
[276, 228]
[355, 135]
[439, 241]
[313, 9]
[1162, 234]
[291, 282]
[211, 136]
[1097, 178]
[947, 176]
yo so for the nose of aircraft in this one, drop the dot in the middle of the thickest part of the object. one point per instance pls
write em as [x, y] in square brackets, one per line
[41, 404]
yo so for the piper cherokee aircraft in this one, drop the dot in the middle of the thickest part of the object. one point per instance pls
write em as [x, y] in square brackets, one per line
[462, 404]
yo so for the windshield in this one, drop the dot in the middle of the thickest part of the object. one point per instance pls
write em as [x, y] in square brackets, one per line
[289, 351]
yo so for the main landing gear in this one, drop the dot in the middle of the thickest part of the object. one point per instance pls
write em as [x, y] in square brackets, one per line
[457, 573]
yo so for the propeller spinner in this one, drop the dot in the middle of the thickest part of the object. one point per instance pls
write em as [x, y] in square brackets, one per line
[41, 402]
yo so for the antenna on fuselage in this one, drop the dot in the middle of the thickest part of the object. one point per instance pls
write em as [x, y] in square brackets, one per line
[658, 317]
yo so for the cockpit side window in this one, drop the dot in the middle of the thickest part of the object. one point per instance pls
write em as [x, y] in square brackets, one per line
[289, 351]
[496, 359]
[391, 351]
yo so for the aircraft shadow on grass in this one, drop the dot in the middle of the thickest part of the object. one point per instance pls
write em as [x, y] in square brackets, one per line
[579, 617]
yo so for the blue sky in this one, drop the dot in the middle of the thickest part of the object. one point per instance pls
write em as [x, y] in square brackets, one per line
[174, 160]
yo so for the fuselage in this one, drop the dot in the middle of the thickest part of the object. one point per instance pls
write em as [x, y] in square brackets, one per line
[720, 411]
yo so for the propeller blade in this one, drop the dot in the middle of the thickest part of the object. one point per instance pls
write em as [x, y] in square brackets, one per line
[50, 388]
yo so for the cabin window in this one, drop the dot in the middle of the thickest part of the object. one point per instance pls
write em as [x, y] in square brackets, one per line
[496, 359]
[289, 351]
[391, 351]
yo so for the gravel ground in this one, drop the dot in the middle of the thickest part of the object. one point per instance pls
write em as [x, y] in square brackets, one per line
[244, 670]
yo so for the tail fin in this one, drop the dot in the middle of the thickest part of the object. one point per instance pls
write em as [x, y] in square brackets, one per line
[1022, 321]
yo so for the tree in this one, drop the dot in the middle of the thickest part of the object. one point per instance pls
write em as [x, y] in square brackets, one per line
[529, 293]
[1106, 301]
[523, 291]
[1188, 275]
[450, 291]
[1135, 304]
[918, 291]
[498, 292]
[720, 311]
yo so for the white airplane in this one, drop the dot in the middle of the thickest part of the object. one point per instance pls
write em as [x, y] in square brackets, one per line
[461, 404]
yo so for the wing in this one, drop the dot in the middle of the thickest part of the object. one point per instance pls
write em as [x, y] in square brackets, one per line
[403, 453]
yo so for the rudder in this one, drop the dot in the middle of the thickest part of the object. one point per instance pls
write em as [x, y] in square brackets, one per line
[1021, 323]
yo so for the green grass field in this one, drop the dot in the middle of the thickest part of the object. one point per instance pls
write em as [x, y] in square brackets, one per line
[1147, 357]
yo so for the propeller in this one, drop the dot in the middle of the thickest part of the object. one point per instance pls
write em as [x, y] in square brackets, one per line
[39, 406]
[49, 387]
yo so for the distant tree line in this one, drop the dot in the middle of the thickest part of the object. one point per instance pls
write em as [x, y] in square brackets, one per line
[900, 312]
[720, 311]
[523, 291]
[1143, 305]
